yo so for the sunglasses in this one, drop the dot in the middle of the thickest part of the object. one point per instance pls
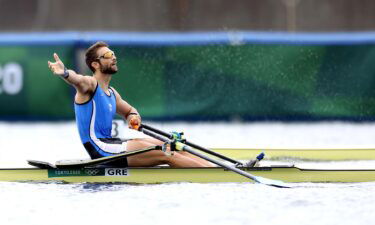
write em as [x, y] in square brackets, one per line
[107, 55]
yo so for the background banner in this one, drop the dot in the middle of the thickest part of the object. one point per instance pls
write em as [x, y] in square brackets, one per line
[28, 90]
[201, 76]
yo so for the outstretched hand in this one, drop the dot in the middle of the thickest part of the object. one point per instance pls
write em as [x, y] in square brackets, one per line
[56, 67]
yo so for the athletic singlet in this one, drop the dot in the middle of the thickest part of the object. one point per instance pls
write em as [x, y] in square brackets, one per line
[94, 121]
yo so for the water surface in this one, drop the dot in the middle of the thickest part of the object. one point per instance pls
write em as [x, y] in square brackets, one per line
[187, 203]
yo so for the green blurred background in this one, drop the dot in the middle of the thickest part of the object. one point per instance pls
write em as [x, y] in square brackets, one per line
[253, 82]
[31, 92]
[249, 81]
[254, 60]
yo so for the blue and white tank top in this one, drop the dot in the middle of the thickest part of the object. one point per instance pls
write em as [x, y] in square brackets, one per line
[94, 121]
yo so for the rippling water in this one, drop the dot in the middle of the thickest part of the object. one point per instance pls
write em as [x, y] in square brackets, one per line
[186, 203]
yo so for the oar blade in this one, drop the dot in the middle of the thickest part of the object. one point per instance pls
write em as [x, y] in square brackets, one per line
[270, 182]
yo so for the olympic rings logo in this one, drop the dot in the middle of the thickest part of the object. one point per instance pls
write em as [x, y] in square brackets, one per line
[91, 172]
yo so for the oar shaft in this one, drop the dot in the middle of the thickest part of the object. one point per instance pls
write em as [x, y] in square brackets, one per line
[184, 147]
[213, 153]
[145, 126]
[191, 151]
[152, 134]
[203, 149]
[229, 167]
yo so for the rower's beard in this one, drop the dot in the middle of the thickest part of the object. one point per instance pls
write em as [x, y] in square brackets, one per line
[108, 69]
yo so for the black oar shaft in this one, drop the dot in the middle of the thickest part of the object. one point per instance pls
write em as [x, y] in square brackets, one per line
[213, 153]
[182, 146]
[152, 134]
[168, 135]
[203, 149]
[229, 167]
[191, 151]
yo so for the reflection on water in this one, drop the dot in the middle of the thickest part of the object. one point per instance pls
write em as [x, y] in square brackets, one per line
[98, 187]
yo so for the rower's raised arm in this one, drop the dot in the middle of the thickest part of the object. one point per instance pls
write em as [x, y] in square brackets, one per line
[81, 83]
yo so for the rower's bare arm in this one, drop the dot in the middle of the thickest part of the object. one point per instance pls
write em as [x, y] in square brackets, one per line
[128, 112]
[82, 83]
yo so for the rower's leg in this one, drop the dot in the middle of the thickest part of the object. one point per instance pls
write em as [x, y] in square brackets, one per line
[157, 157]
[153, 141]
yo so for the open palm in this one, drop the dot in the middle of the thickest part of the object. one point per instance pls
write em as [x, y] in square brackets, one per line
[56, 67]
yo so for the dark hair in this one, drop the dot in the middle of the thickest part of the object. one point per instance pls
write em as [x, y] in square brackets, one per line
[91, 53]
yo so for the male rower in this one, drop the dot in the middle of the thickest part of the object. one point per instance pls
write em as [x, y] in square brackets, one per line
[95, 105]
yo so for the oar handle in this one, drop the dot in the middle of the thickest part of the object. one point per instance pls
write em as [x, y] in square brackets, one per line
[203, 149]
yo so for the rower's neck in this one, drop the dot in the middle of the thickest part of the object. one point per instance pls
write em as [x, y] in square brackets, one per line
[103, 80]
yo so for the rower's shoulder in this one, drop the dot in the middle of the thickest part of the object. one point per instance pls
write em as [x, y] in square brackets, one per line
[90, 82]
[113, 89]
[86, 88]
[115, 92]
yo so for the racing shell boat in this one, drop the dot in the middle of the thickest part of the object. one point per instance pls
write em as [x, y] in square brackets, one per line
[98, 171]
[197, 175]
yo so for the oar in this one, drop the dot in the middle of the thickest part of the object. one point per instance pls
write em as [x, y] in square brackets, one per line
[184, 147]
[203, 149]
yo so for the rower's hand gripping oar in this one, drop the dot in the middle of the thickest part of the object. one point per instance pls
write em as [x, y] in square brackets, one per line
[184, 147]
